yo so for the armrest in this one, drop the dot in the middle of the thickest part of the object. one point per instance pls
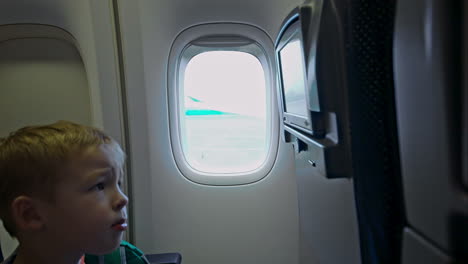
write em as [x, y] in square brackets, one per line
[166, 258]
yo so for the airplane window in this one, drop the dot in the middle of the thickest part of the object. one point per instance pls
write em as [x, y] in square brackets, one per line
[225, 112]
[223, 116]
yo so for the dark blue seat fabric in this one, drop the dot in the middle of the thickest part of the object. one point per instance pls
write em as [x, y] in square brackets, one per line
[164, 258]
[377, 180]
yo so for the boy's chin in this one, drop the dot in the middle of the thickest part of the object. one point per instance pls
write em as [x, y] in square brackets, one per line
[105, 251]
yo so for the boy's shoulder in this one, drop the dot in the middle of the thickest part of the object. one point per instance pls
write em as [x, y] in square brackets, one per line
[126, 253]
[10, 259]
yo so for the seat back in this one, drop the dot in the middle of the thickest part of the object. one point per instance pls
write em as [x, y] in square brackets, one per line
[375, 153]
[430, 81]
[349, 183]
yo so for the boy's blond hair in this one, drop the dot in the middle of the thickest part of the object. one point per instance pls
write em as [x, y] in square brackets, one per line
[31, 157]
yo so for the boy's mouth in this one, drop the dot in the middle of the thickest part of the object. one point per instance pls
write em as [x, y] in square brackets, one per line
[120, 225]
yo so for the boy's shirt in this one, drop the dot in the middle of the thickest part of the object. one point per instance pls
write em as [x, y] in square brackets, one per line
[12, 257]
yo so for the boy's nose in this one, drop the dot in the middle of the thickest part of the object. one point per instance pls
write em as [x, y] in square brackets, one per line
[121, 201]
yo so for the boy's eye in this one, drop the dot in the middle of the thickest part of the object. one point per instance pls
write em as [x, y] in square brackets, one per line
[99, 186]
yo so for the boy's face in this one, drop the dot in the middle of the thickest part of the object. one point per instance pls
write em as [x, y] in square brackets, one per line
[89, 212]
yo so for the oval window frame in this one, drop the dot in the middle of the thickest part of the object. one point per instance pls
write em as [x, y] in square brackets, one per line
[213, 36]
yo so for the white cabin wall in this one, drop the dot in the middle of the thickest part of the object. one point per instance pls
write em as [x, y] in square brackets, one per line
[256, 223]
[91, 24]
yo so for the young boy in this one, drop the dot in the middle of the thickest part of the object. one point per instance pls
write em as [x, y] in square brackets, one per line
[60, 193]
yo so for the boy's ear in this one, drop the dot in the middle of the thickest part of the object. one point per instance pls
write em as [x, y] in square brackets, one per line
[26, 214]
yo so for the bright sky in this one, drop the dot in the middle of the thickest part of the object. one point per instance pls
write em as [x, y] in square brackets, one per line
[228, 81]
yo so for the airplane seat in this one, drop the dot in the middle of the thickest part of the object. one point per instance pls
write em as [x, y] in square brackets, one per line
[374, 143]
[407, 67]
[430, 66]
[164, 258]
[354, 73]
